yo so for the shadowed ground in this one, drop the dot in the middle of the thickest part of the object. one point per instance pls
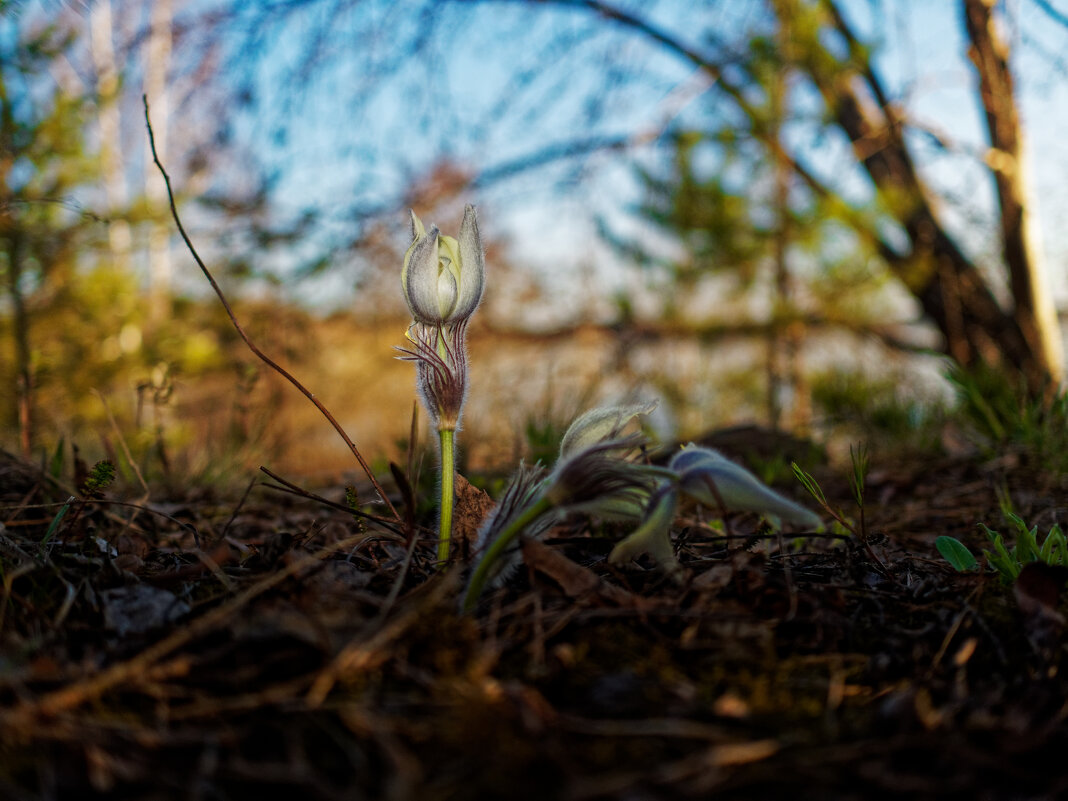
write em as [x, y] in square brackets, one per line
[302, 651]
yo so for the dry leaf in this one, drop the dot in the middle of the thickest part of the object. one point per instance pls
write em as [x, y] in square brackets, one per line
[472, 507]
[575, 580]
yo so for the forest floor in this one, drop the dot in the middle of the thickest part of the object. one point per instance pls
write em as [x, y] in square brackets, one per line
[270, 645]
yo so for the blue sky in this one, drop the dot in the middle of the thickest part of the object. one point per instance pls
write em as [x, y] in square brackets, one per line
[352, 140]
[349, 121]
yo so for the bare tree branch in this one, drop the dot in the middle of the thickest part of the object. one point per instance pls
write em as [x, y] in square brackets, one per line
[1054, 14]
[1034, 310]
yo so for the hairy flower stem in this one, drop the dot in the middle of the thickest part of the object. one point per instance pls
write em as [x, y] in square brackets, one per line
[448, 473]
[494, 551]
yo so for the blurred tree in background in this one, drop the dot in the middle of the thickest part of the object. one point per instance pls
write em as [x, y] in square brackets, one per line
[43, 228]
[753, 158]
[808, 46]
[743, 200]
[790, 93]
[90, 301]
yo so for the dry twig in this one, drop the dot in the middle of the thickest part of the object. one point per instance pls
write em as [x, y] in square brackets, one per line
[241, 331]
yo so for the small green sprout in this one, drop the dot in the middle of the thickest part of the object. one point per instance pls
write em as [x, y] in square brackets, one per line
[1008, 562]
[816, 491]
[55, 464]
[857, 483]
[101, 476]
[352, 498]
[443, 280]
[53, 527]
[956, 553]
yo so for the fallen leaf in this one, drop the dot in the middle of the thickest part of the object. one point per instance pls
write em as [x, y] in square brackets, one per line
[472, 507]
[575, 580]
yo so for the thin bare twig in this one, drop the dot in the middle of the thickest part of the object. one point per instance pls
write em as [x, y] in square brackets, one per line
[241, 331]
[122, 444]
[294, 489]
[398, 582]
[104, 502]
[241, 503]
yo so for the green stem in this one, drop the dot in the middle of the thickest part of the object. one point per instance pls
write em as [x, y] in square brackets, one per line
[493, 553]
[448, 473]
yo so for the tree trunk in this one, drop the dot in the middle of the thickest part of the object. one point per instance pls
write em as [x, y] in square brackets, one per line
[21, 334]
[109, 120]
[779, 350]
[157, 62]
[1034, 309]
[949, 287]
[786, 372]
[12, 237]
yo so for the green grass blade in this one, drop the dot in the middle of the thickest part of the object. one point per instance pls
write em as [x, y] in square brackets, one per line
[55, 464]
[809, 483]
[54, 525]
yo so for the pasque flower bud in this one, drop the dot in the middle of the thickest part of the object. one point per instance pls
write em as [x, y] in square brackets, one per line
[443, 278]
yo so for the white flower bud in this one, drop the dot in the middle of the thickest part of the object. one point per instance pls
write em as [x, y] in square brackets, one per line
[598, 425]
[443, 278]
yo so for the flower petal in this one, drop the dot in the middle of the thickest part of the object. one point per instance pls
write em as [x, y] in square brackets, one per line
[653, 536]
[713, 480]
[472, 265]
[420, 277]
[418, 231]
[600, 424]
[446, 293]
[449, 261]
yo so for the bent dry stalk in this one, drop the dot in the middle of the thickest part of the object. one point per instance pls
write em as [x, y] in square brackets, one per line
[443, 279]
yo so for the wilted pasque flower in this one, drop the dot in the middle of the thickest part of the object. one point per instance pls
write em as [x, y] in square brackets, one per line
[593, 475]
[711, 479]
[443, 278]
[714, 480]
[601, 424]
[521, 493]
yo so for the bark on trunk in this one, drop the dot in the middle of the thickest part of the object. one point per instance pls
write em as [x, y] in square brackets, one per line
[1034, 308]
[949, 287]
[110, 122]
[157, 63]
[20, 321]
